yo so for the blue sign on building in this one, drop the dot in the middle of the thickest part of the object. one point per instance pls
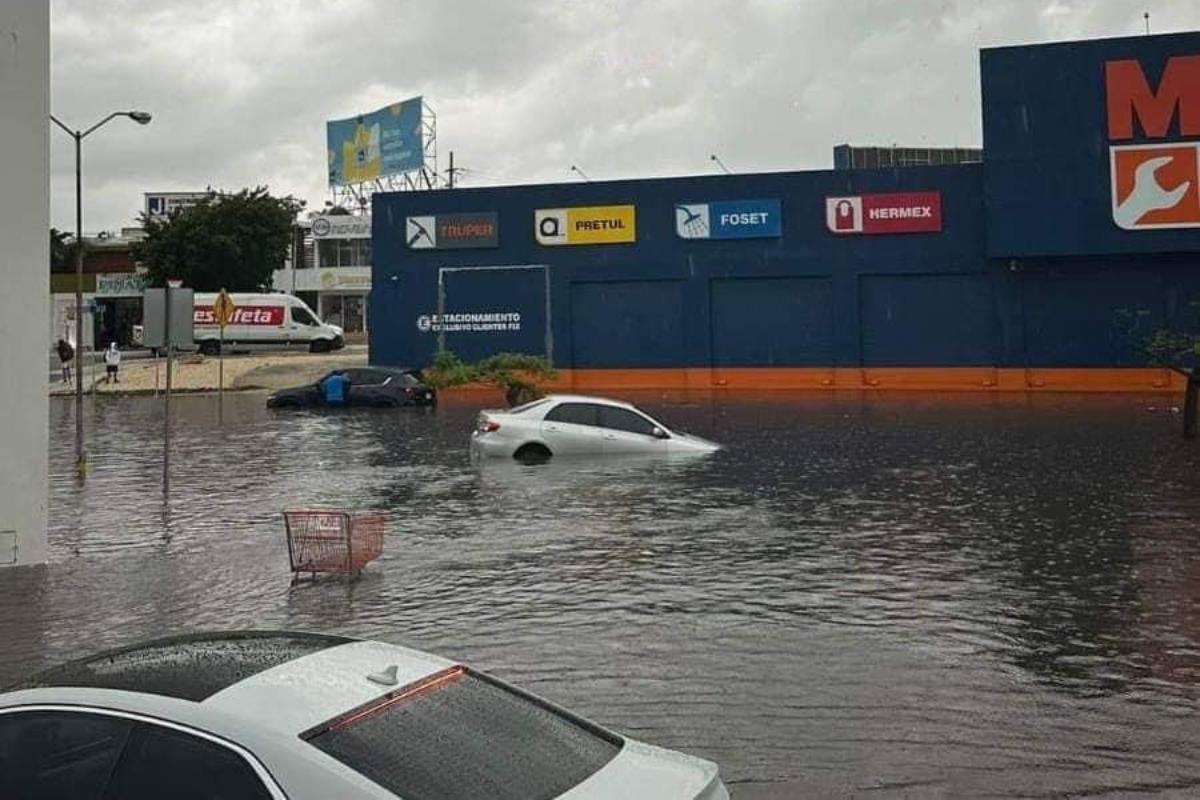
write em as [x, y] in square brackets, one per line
[729, 219]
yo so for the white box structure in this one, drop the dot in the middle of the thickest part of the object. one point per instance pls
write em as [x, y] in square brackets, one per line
[24, 263]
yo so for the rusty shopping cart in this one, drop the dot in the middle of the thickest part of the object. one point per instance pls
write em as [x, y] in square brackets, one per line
[335, 542]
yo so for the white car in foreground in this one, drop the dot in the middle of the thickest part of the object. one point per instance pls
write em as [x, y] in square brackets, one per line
[564, 424]
[277, 715]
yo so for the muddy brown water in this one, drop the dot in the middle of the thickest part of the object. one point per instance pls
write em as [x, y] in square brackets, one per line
[900, 595]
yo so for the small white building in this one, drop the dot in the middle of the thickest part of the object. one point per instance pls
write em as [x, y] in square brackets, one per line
[330, 269]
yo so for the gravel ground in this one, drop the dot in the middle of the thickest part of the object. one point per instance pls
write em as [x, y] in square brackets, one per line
[194, 372]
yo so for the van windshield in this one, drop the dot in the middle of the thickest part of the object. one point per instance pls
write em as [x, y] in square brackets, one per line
[302, 316]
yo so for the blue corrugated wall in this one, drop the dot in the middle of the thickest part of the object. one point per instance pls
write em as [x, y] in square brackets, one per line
[808, 298]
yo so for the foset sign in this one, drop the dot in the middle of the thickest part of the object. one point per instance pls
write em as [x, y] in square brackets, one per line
[242, 315]
[1156, 184]
[897, 212]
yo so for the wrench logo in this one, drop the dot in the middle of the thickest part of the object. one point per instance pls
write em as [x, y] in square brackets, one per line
[1141, 177]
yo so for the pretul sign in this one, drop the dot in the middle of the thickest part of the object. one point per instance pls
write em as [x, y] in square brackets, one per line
[900, 212]
[1154, 185]
[452, 231]
[729, 219]
[585, 225]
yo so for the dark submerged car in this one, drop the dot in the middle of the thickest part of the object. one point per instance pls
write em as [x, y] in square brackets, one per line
[376, 387]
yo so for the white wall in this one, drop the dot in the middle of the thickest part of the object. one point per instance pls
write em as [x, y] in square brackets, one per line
[24, 259]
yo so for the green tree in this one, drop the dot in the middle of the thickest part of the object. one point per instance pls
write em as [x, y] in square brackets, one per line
[62, 251]
[232, 241]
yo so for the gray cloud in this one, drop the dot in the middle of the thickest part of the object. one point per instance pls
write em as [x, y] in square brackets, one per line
[625, 88]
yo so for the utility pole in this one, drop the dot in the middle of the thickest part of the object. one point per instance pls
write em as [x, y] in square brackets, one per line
[141, 118]
[1146, 16]
[166, 481]
[451, 171]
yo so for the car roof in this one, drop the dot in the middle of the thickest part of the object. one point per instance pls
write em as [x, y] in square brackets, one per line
[396, 370]
[190, 667]
[280, 680]
[583, 398]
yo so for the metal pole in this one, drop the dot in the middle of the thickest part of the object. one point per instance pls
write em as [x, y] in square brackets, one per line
[167, 395]
[80, 453]
[1189, 405]
[221, 376]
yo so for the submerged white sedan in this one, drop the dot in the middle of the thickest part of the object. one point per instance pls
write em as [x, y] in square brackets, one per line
[564, 424]
[274, 715]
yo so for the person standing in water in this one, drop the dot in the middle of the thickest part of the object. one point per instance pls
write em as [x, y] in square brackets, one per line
[112, 361]
[66, 354]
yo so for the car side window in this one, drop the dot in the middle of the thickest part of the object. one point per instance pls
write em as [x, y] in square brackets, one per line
[366, 377]
[622, 419]
[302, 317]
[574, 413]
[52, 754]
[161, 762]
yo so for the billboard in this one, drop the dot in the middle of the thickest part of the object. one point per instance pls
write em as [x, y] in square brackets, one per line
[385, 142]
[161, 205]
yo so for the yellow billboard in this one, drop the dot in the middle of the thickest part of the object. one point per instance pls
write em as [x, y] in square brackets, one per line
[585, 225]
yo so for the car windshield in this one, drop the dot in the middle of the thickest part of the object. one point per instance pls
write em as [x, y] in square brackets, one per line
[458, 735]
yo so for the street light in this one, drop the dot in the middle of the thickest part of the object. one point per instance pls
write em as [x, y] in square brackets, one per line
[141, 118]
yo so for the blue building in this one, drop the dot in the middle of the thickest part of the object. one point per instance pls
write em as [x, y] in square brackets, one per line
[1046, 266]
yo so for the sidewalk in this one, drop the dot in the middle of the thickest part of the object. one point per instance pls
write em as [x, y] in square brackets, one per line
[197, 373]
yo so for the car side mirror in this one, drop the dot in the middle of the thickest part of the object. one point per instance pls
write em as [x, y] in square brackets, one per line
[659, 433]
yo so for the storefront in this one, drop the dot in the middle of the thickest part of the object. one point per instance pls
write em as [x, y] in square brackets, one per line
[336, 280]
[1048, 266]
[117, 308]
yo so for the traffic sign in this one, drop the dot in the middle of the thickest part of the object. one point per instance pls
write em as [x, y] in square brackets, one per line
[223, 308]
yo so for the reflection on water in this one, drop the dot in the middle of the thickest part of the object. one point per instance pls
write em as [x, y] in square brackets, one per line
[913, 594]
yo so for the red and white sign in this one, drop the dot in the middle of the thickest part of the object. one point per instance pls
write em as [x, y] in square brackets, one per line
[901, 212]
[1154, 185]
[242, 315]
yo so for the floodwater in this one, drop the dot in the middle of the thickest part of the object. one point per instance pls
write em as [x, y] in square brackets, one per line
[890, 595]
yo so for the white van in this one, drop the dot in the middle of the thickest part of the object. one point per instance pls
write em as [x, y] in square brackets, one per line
[263, 321]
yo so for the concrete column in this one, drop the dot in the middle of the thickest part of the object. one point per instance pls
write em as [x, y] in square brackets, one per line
[24, 265]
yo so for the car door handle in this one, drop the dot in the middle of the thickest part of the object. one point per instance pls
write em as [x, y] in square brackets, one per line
[610, 436]
[551, 427]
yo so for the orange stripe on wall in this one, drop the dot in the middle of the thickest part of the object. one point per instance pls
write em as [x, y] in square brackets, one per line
[965, 379]
[981, 379]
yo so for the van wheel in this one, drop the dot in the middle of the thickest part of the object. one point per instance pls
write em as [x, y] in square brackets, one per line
[210, 348]
[532, 454]
[319, 346]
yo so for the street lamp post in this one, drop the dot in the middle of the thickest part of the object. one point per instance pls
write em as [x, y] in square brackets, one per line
[141, 118]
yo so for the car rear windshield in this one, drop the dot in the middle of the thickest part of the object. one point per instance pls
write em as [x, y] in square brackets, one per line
[458, 735]
[525, 406]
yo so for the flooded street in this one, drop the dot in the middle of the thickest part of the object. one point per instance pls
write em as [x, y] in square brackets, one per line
[911, 594]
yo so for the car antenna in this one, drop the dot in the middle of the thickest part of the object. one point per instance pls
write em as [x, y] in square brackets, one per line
[385, 678]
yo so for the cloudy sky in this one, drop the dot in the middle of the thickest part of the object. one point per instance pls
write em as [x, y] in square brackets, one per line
[240, 89]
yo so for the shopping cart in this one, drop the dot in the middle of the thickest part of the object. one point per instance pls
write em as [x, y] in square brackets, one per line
[332, 541]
